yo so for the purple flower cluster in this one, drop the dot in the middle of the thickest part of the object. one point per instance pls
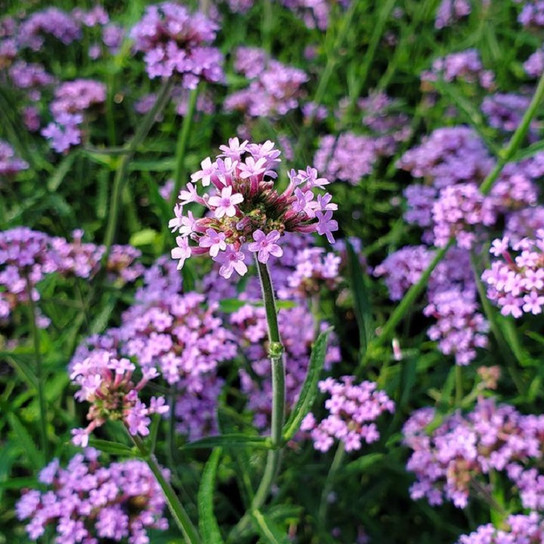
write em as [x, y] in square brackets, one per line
[174, 41]
[451, 11]
[175, 337]
[516, 529]
[314, 13]
[463, 449]
[463, 66]
[88, 502]
[10, 164]
[246, 211]
[107, 384]
[49, 22]
[532, 14]
[72, 100]
[353, 410]
[517, 284]
[274, 89]
[29, 256]
[534, 65]
[297, 330]
[30, 77]
[504, 111]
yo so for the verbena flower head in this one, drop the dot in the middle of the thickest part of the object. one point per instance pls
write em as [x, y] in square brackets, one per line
[353, 409]
[516, 283]
[175, 42]
[10, 164]
[246, 212]
[107, 383]
[88, 502]
[464, 449]
[49, 22]
[450, 11]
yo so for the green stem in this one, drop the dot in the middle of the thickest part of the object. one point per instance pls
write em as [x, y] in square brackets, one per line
[458, 385]
[409, 298]
[327, 488]
[121, 174]
[39, 370]
[275, 352]
[174, 504]
[181, 147]
[508, 152]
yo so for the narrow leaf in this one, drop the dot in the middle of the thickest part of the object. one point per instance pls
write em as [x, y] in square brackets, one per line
[309, 389]
[59, 174]
[209, 529]
[361, 300]
[25, 441]
[269, 530]
[114, 448]
[234, 440]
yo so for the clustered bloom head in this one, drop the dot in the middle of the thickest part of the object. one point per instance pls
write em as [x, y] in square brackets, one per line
[516, 529]
[175, 42]
[465, 448]
[9, 163]
[353, 409]
[297, 329]
[517, 284]
[106, 382]
[246, 211]
[88, 502]
[174, 337]
[450, 11]
[275, 88]
[30, 256]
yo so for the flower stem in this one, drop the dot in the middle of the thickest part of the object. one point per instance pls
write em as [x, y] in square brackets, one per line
[327, 488]
[121, 174]
[39, 370]
[275, 352]
[174, 504]
[508, 152]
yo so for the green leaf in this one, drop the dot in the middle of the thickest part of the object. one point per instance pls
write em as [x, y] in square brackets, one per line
[25, 441]
[145, 237]
[209, 529]
[363, 463]
[361, 300]
[114, 448]
[60, 172]
[309, 389]
[21, 365]
[269, 530]
[233, 440]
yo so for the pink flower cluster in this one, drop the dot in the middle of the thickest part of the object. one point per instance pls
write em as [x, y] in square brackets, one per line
[174, 41]
[297, 329]
[451, 11]
[274, 90]
[463, 66]
[10, 164]
[27, 255]
[463, 449]
[31, 77]
[174, 337]
[246, 211]
[516, 529]
[517, 284]
[88, 502]
[107, 384]
[353, 409]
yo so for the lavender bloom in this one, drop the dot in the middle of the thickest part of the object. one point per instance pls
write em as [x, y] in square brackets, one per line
[246, 212]
[77, 96]
[353, 410]
[10, 164]
[463, 66]
[517, 284]
[113, 36]
[534, 65]
[528, 529]
[30, 77]
[276, 90]
[451, 11]
[314, 13]
[64, 133]
[175, 42]
[250, 61]
[93, 17]
[532, 14]
[51, 21]
[89, 502]
[505, 111]
[465, 448]
[106, 383]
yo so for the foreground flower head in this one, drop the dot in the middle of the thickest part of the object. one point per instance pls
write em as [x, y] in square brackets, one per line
[246, 212]
[90, 502]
